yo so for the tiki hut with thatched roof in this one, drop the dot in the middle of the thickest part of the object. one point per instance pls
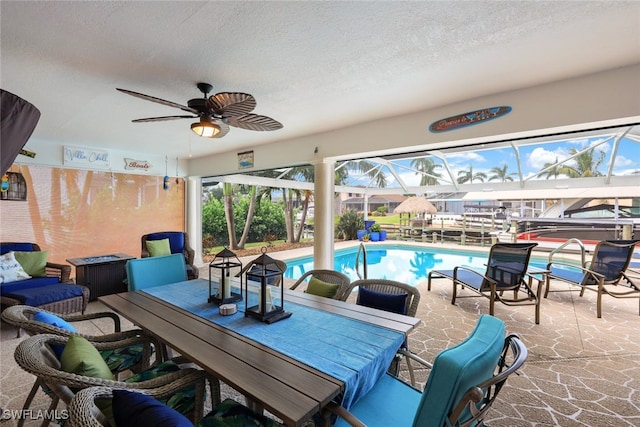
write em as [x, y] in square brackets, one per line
[416, 205]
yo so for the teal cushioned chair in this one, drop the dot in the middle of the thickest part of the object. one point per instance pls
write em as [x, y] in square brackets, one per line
[463, 383]
[155, 271]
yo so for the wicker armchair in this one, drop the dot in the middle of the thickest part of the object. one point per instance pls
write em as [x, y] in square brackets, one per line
[328, 276]
[179, 243]
[60, 271]
[391, 289]
[21, 316]
[34, 355]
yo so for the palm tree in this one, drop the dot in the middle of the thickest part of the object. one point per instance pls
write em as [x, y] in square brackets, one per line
[425, 167]
[250, 211]
[367, 168]
[501, 174]
[469, 176]
[306, 174]
[553, 169]
[586, 164]
[227, 196]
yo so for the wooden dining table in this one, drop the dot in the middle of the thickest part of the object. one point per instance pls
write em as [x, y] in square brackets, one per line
[267, 376]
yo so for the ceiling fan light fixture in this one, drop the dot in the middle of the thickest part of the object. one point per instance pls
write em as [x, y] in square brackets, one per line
[205, 128]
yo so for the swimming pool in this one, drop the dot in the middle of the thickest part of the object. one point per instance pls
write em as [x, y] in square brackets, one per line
[403, 263]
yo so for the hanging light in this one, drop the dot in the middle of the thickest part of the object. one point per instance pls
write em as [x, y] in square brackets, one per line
[205, 127]
[14, 187]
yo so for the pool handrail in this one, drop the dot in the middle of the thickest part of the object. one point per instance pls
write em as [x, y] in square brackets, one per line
[361, 249]
[567, 243]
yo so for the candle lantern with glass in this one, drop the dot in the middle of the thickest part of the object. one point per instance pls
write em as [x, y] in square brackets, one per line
[224, 261]
[260, 301]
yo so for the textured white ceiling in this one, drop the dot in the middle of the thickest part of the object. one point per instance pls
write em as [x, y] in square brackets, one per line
[313, 66]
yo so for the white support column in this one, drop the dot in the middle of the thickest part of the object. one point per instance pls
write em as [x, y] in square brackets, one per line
[324, 189]
[365, 198]
[193, 216]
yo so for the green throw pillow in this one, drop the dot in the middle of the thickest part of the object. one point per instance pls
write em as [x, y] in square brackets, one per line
[158, 247]
[322, 289]
[33, 263]
[81, 357]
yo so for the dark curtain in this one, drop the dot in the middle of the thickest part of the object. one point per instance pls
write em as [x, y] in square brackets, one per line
[18, 119]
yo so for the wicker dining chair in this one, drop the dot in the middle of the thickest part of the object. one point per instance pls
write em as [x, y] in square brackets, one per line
[35, 356]
[389, 295]
[84, 410]
[134, 358]
[390, 287]
[330, 277]
[26, 318]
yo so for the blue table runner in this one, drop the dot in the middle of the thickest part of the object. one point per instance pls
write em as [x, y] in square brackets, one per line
[355, 352]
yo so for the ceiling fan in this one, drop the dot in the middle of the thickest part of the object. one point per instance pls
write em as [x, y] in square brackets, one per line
[216, 112]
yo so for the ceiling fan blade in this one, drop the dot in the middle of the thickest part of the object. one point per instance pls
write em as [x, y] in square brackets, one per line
[224, 128]
[254, 122]
[162, 119]
[231, 104]
[158, 100]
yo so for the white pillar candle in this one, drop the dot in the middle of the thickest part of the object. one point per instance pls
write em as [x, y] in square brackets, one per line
[226, 285]
[267, 299]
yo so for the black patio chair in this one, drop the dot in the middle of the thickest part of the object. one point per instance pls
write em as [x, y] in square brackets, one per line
[506, 271]
[602, 274]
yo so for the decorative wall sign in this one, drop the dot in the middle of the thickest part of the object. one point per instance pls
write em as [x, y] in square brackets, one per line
[468, 119]
[86, 157]
[245, 160]
[136, 164]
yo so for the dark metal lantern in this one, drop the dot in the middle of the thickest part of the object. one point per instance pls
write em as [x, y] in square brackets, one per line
[260, 302]
[225, 261]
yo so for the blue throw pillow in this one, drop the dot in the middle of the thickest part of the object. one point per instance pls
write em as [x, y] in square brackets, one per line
[137, 409]
[53, 320]
[395, 303]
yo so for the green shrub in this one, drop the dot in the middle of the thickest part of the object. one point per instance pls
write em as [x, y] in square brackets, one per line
[349, 224]
[381, 211]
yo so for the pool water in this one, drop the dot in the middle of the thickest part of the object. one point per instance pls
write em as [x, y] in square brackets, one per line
[407, 264]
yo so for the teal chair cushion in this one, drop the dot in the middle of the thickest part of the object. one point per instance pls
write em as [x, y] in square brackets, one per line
[389, 403]
[455, 370]
[155, 271]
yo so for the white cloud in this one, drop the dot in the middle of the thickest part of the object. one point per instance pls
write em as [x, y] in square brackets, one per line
[466, 157]
[622, 161]
[539, 156]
